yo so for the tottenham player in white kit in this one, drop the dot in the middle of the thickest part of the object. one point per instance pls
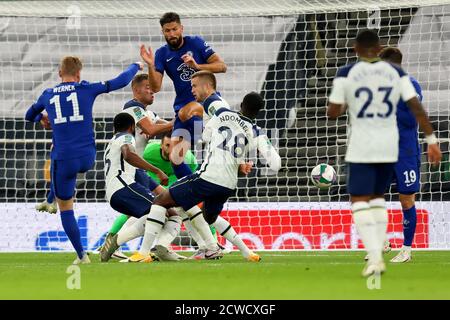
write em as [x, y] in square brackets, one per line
[121, 160]
[204, 90]
[230, 136]
[123, 192]
[371, 90]
[148, 124]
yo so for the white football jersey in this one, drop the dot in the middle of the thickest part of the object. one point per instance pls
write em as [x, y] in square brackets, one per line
[231, 138]
[371, 92]
[138, 113]
[118, 172]
[211, 104]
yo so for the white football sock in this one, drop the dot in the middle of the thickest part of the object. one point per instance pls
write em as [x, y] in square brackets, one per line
[226, 230]
[196, 216]
[191, 230]
[380, 215]
[132, 231]
[155, 221]
[169, 231]
[367, 230]
[406, 248]
[129, 222]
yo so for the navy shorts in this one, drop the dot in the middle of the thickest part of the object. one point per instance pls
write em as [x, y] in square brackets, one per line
[133, 200]
[190, 130]
[191, 190]
[407, 175]
[64, 174]
[143, 179]
[365, 179]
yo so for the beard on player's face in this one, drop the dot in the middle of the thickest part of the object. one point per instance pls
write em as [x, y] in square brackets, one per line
[174, 42]
[165, 147]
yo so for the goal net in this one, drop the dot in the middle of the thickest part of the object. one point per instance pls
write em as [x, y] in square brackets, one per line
[288, 50]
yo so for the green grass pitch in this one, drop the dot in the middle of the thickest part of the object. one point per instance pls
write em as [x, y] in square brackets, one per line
[280, 275]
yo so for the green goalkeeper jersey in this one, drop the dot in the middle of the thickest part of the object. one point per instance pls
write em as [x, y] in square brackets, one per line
[152, 154]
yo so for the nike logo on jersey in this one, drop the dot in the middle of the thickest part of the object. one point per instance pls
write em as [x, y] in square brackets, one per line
[167, 60]
[409, 184]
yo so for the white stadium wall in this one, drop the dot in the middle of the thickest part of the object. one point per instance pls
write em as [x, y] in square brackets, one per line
[264, 226]
[427, 43]
[248, 44]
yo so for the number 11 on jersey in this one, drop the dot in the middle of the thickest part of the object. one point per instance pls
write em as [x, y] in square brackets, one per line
[75, 106]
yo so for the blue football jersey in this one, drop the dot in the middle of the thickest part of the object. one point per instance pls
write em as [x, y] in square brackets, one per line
[69, 108]
[407, 126]
[169, 61]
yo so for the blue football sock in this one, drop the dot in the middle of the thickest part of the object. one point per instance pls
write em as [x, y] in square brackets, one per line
[73, 233]
[51, 195]
[196, 123]
[181, 170]
[409, 225]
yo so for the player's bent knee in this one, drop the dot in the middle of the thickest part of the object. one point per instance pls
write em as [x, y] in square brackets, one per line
[210, 218]
[65, 205]
[407, 201]
[164, 200]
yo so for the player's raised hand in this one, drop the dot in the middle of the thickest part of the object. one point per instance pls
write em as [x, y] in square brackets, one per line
[190, 61]
[163, 178]
[147, 56]
[434, 154]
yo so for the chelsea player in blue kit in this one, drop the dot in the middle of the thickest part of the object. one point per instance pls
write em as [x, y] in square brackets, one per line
[180, 58]
[69, 111]
[407, 169]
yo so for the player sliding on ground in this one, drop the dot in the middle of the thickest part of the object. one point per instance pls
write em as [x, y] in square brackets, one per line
[371, 89]
[157, 153]
[69, 109]
[147, 125]
[124, 193]
[180, 58]
[230, 137]
[132, 229]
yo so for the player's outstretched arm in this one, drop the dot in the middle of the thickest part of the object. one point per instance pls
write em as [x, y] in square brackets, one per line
[434, 152]
[154, 76]
[123, 79]
[130, 156]
[268, 152]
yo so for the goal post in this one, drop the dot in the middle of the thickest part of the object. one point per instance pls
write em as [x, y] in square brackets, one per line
[288, 50]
